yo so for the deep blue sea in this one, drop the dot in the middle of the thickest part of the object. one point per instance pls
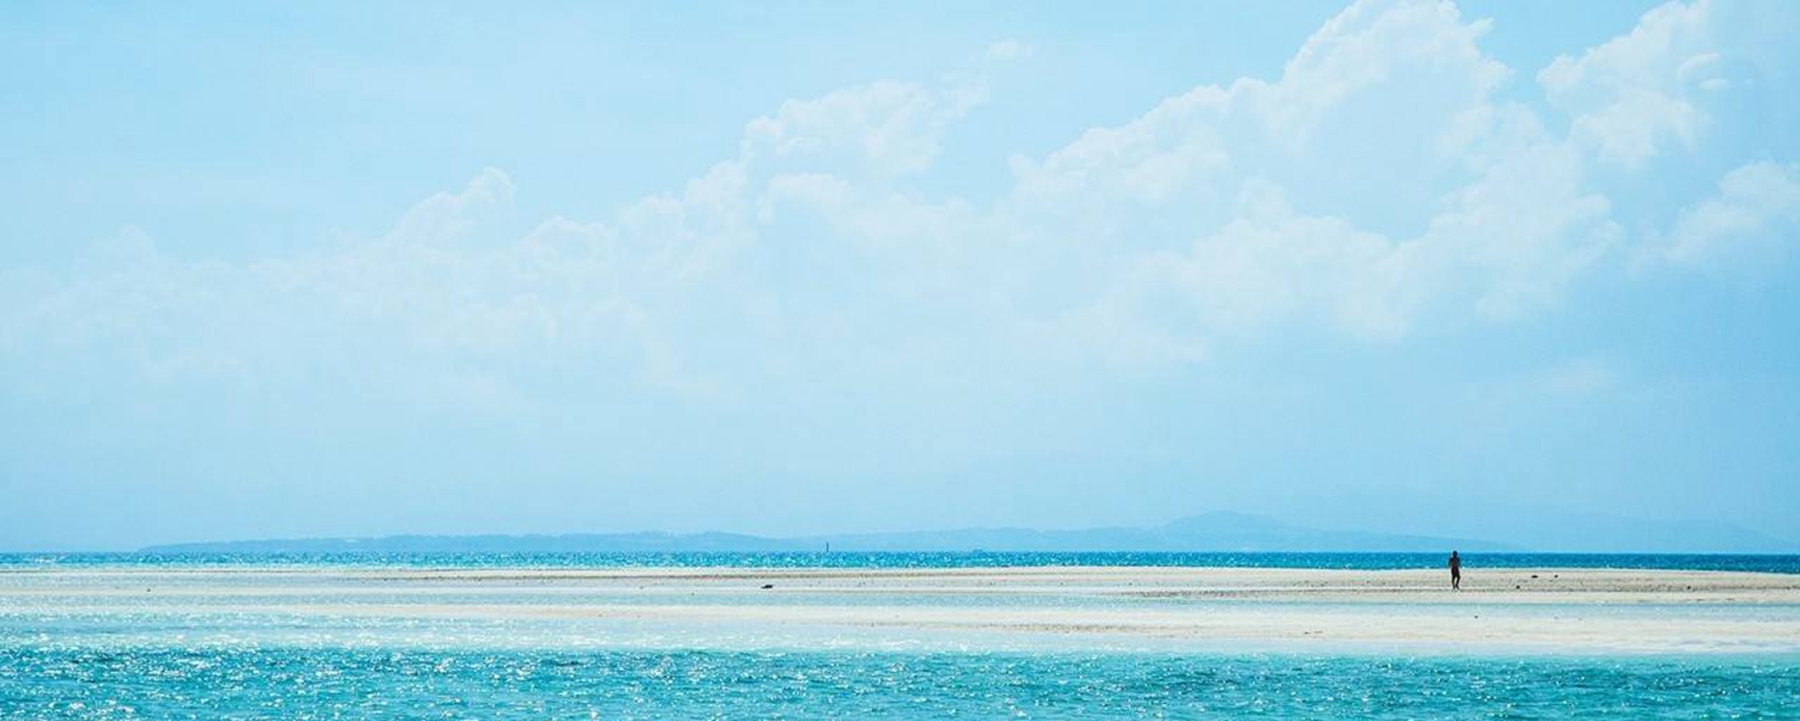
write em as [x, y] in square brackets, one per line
[1768, 563]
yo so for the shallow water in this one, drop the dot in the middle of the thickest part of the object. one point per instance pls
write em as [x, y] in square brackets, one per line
[78, 641]
[286, 683]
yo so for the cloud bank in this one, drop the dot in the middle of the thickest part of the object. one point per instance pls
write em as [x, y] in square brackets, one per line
[1394, 176]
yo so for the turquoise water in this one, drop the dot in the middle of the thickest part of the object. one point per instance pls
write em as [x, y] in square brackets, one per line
[223, 643]
[44, 683]
[1769, 563]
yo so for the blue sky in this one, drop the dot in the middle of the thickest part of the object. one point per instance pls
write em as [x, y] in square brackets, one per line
[346, 270]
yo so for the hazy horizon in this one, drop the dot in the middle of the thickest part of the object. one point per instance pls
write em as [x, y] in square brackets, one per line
[787, 270]
[1216, 531]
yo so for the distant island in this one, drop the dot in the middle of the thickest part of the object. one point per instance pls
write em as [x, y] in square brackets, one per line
[1217, 531]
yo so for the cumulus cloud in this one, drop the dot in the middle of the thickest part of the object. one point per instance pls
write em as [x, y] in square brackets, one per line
[1381, 181]
[1272, 263]
[447, 217]
[1661, 85]
[1435, 191]
[1635, 93]
[1754, 215]
[1365, 90]
[883, 129]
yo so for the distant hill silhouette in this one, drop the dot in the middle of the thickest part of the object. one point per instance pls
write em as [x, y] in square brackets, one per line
[1218, 531]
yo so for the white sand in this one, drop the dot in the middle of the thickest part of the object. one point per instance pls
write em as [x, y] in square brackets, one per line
[1555, 610]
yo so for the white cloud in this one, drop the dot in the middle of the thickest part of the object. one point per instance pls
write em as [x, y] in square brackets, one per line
[1336, 99]
[446, 217]
[1659, 86]
[884, 129]
[1271, 264]
[1519, 234]
[1631, 95]
[1379, 183]
[1754, 215]
[1383, 178]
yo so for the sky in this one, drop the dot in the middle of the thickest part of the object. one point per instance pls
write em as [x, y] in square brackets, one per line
[342, 269]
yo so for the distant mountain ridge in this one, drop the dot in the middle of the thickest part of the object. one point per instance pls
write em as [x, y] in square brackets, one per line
[1216, 531]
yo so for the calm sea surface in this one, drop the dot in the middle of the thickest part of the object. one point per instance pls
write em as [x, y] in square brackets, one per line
[977, 559]
[38, 683]
[63, 657]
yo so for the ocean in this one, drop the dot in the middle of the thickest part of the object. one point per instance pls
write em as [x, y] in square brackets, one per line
[283, 683]
[80, 640]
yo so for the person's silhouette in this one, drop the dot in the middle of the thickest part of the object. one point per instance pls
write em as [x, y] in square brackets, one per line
[1455, 572]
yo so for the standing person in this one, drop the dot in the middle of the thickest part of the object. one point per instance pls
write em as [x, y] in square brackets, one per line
[1455, 572]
